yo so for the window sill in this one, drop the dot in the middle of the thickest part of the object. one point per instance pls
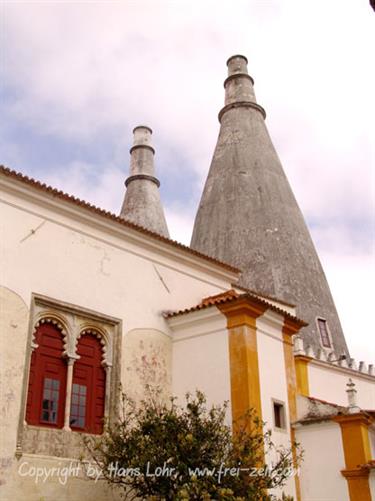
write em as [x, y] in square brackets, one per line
[50, 441]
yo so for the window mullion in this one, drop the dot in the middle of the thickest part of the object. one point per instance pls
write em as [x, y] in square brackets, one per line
[68, 393]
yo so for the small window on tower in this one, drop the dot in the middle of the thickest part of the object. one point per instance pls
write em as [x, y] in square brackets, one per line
[324, 335]
[279, 415]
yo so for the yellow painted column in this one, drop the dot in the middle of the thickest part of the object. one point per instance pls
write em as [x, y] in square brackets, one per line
[243, 355]
[357, 452]
[302, 374]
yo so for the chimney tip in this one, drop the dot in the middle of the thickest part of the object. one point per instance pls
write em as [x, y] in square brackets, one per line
[235, 57]
[142, 138]
[142, 127]
[237, 65]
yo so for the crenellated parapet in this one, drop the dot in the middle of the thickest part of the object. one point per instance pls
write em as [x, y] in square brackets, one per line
[323, 355]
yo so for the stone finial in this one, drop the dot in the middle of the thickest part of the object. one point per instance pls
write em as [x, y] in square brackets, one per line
[353, 364]
[142, 204]
[310, 352]
[352, 397]
[343, 361]
[322, 355]
[371, 371]
[362, 367]
[298, 346]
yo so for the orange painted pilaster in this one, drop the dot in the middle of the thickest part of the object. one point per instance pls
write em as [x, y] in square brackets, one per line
[243, 355]
[357, 452]
[302, 374]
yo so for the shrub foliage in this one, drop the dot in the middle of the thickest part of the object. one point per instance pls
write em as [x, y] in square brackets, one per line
[161, 451]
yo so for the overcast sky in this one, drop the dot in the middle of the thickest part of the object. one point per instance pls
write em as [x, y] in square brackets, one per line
[76, 77]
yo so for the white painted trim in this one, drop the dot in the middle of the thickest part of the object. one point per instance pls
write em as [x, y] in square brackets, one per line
[194, 317]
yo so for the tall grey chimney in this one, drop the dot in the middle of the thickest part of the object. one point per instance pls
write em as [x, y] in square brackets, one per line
[142, 204]
[249, 217]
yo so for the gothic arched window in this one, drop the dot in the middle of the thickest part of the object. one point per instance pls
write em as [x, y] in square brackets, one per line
[47, 379]
[88, 388]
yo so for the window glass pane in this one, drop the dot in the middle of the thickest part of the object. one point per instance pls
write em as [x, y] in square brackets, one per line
[279, 415]
[50, 400]
[78, 407]
[324, 333]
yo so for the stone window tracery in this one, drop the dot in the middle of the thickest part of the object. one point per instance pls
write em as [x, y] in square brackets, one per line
[66, 391]
[70, 382]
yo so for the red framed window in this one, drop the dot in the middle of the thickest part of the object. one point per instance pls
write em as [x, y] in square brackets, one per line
[324, 335]
[47, 379]
[88, 389]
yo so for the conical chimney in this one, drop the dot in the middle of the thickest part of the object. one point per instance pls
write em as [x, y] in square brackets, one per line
[142, 204]
[248, 216]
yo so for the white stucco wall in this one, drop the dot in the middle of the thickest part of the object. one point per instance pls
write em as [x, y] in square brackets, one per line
[100, 267]
[14, 317]
[328, 383]
[273, 378]
[272, 367]
[55, 249]
[40, 478]
[321, 478]
[200, 357]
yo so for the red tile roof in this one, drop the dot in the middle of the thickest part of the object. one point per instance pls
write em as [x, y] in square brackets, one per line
[368, 466]
[232, 295]
[218, 298]
[325, 402]
[103, 213]
[266, 296]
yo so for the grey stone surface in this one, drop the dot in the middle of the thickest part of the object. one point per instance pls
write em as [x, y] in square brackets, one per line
[249, 217]
[142, 204]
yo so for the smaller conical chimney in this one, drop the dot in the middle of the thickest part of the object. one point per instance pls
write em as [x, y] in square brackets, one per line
[142, 204]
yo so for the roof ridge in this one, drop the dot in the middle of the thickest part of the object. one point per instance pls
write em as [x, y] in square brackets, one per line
[226, 297]
[266, 296]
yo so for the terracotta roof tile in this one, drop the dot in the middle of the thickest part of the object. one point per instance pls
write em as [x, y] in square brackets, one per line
[266, 296]
[103, 213]
[368, 466]
[325, 402]
[227, 296]
[217, 298]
